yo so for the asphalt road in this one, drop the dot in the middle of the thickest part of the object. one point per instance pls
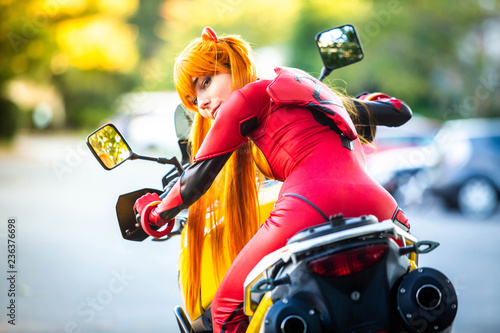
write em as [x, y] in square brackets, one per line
[74, 273]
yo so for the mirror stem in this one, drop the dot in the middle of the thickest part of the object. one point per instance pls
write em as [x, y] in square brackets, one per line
[324, 73]
[161, 160]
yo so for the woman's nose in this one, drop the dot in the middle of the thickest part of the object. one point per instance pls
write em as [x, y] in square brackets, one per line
[203, 101]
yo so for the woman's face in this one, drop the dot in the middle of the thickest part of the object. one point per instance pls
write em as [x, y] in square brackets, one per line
[211, 92]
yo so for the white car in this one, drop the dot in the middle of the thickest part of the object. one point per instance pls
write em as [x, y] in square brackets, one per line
[146, 119]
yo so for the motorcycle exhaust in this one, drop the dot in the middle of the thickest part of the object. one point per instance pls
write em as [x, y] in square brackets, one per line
[294, 324]
[427, 301]
[428, 297]
[291, 315]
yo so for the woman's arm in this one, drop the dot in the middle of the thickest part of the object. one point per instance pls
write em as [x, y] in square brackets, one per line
[191, 185]
[380, 109]
[229, 131]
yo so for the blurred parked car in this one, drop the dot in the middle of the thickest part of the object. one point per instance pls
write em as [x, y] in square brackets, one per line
[401, 157]
[146, 119]
[468, 176]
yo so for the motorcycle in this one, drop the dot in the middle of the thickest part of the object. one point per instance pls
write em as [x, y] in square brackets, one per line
[353, 274]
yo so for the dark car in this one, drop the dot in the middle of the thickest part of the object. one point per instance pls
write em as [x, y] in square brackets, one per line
[468, 174]
[401, 157]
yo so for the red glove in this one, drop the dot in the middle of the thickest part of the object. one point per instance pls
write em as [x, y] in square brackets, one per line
[145, 206]
[153, 200]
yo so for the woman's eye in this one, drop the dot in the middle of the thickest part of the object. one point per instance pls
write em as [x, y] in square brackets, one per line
[206, 82]
[195, 101]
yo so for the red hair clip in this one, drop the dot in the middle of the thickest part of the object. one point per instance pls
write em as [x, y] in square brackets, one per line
[209, 34]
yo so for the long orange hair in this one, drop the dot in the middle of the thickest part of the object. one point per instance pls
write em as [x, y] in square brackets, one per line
[232, 199]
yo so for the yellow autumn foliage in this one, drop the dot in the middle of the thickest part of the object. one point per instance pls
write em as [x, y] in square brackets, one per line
[98, 42]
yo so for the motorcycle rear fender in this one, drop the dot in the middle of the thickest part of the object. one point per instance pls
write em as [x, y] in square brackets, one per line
[332, 297]
[292, 251]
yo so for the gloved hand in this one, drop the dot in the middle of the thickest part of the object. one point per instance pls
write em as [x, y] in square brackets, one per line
[147, 204]
[145, 208]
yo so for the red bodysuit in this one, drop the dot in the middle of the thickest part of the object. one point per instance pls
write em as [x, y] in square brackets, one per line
[313, 161]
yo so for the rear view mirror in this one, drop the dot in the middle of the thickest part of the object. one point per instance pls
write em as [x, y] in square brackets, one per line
[183, 122]
[183, 119]
[338, 47]
[109, 147]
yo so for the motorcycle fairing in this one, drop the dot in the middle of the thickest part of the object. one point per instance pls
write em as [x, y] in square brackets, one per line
[316, 242]
[332, 296]
[295, 87]
[294, 249]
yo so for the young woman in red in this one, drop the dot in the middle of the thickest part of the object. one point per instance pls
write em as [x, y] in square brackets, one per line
[308, 138]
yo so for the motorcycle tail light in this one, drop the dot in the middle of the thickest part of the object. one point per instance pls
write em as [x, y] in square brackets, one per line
[348, 262]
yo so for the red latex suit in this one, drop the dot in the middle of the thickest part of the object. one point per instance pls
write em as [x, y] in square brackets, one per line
[293, 129]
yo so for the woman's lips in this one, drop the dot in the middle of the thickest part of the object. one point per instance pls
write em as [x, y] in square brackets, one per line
[215, 110]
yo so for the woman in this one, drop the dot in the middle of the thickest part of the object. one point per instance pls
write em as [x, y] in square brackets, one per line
[308, 139]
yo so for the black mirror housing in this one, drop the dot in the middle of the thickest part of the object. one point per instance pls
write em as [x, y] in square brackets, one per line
[109, 147]
[338, 47]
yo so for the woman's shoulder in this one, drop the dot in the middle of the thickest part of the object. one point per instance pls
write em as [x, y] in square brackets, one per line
[256, 91]
[258, 86]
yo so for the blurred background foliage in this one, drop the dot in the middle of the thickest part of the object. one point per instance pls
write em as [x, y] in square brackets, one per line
[64, 62]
